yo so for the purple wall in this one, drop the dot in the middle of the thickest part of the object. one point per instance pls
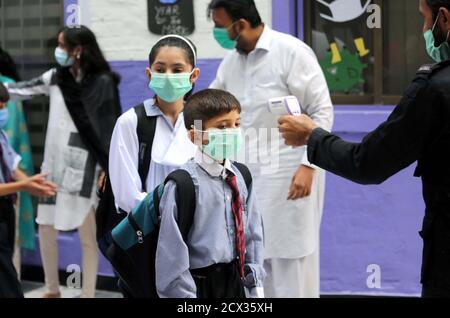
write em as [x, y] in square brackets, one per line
[69, 249]
[370, 225]
[361, 225]
[284, 16]
[66, 4]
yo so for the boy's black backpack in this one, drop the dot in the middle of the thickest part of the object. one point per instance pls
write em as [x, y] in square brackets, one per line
[107, 216]
[135, 238]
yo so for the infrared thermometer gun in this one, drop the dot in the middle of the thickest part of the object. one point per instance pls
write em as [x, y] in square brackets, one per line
[287, 105]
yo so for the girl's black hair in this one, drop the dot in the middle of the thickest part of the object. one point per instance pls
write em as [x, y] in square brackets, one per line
[7, 66]
[179, 43]
[92, 59]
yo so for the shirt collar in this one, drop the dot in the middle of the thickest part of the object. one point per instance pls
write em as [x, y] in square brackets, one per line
[265, 40]
[151, 109]
[211, 166]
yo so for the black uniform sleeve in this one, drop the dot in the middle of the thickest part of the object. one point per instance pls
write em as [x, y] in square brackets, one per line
[392, 147]
[103, 108]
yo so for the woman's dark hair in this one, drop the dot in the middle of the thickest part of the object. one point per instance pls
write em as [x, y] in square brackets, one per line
[436, 4]
[238, 9]
[179, 43]
[208, 104]
[7, 66]
[4, 95]
[92, 59]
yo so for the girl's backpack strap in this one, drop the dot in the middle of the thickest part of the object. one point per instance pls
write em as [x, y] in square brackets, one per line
[145, 131]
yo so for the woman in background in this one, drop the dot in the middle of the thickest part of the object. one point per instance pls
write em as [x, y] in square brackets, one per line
[84, 107]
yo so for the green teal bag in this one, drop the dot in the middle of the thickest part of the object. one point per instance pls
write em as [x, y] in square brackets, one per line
[132, 252]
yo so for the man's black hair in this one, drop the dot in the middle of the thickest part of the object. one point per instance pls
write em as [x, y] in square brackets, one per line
[238, 9]
[208, 104]
[436, 4]
[4, 95]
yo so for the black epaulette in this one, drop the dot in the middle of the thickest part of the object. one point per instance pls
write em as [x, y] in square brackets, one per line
[428, 69]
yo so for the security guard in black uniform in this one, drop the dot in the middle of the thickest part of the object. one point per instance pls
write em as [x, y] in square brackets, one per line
[417, 130]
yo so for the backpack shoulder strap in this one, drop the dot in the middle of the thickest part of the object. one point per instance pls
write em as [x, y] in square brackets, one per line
[245, 172]
[146, 128]
[185, 198]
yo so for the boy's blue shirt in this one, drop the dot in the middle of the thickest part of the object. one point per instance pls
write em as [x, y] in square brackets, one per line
[10, 157]
[212, 236]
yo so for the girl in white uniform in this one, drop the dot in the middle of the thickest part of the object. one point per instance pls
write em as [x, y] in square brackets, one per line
[172, 74]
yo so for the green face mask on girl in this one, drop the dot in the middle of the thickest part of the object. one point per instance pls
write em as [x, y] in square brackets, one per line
[171, 87]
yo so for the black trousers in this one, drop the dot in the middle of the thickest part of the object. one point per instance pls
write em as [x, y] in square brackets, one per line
[219, 281]
[9, 284]
[429, 291]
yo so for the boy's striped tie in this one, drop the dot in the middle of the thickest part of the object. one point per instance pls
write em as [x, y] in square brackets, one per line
[237, 212]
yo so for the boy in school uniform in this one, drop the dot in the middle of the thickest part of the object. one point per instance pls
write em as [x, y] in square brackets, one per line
[223, 253]
[37, 185]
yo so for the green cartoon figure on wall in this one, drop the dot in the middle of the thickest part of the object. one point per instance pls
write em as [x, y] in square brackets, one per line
[344, 68]
[345, 76]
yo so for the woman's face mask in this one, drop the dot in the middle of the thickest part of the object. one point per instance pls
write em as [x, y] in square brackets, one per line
[223, 143]
[440, 53]
[63, 58]
[171, 87]
[4, 116]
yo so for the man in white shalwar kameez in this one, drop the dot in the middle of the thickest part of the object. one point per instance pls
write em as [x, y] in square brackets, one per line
[268, 64]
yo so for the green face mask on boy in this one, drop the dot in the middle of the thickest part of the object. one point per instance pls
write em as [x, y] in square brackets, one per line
[171, 87]
[223, 144]
[440, 53]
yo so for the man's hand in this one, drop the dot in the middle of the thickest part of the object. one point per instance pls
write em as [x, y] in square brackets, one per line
[296, 130]
[301, 183]
[38, 186]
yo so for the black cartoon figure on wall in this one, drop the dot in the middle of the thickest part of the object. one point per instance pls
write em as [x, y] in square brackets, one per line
[171, 17]
[343, 65]
[344, 13]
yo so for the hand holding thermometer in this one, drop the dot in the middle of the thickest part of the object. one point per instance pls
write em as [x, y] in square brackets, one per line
[287, 105]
